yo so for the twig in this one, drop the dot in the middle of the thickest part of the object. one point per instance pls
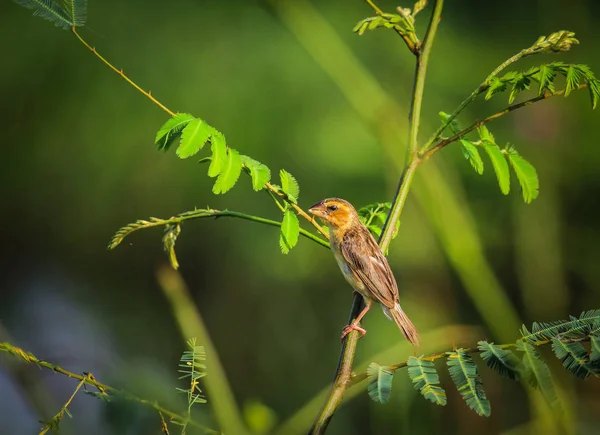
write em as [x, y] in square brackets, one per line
[344, 367]
[53, 424]
[414, 48]
[425, 154]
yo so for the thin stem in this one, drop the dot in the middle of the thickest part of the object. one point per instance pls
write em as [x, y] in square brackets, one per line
[427, 153]
[148, 94]
[58, 417]
[481, 88]
[348, 351]
[89, 379]
[198, 214]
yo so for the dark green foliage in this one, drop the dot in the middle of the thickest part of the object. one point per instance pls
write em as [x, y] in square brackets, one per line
[290, 231]
[595, 345]
[536, 372]
[501, 360]
[426, 380]
[76, 10]
[574, 358]
[574, 328]
[380, 382]
[465, 375]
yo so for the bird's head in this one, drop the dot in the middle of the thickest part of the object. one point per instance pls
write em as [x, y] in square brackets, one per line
[336, 212]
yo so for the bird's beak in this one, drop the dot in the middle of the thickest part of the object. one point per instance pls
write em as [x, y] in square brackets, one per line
[318, 209]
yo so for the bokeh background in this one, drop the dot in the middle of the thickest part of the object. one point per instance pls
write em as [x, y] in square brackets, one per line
[292, 86]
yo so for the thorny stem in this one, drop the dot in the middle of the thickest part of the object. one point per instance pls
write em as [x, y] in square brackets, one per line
[148, 95]
[89, 379]
[344, 369]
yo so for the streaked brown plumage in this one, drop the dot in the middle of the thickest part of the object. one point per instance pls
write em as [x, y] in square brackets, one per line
[363, 264]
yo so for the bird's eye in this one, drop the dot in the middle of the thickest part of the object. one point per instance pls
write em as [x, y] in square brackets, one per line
[332, 207]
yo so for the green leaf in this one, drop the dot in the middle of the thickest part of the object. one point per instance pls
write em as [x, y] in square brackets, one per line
[289, 186]
[426, 380]
[230, 172]
[169, 239]
[171, 130]
[574, 358]
[526, 174]
[463, 372]
[545, 77]
[572, 79]
[496, 85]
[536, 372]
[500, 166]
[485, 135]
[595, 345]
[373, 216]
[444, 117]
[594, 88]
[76, 10]
[219, 153]
[501, 360]
[380, 382]
[260, 173]
[471, 153]
[48, 10]
[193, 138]
[571, 329]
[290, 230]
[521, 83]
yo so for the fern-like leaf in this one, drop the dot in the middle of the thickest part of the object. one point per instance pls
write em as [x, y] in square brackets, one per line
[290, 231]
[426, 380]
[463, 372]
[595, 345]
[48, 10]
[574, 358]
[501, 360]
[536, 372]
[373, 216]
[520, 83]
[193, 138]
[77, 11]
[192, 368]
[500, 166]
[380, 383]
[570, 329]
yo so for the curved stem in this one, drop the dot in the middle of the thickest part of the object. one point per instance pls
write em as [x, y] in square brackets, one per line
[348, 351]
[197, 214]
[89, 379]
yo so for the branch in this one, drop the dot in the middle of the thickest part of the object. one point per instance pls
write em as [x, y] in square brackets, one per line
[148, 95]
[426, 154]
[89, 379]
[53, 424]
[198, 214]
[344, 368]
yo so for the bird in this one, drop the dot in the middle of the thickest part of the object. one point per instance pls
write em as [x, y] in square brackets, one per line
[363, 264]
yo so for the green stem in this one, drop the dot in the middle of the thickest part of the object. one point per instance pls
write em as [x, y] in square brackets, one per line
[427, 153]
[348, 351]
[198, 214]
[481, 88]
[89, 379]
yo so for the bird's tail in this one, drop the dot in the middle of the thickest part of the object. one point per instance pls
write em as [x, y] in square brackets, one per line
[404, 323]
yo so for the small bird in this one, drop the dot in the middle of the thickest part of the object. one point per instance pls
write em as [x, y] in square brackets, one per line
[363, 264]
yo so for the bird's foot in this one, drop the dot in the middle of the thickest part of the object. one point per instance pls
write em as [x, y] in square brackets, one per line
[353, 327]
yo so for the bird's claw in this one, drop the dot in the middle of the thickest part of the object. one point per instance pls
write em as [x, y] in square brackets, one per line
[353, 327]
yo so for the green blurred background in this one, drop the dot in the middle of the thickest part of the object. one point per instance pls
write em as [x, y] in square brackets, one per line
[292, 86]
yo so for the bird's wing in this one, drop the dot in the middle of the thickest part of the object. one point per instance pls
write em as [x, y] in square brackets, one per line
[368, 263]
